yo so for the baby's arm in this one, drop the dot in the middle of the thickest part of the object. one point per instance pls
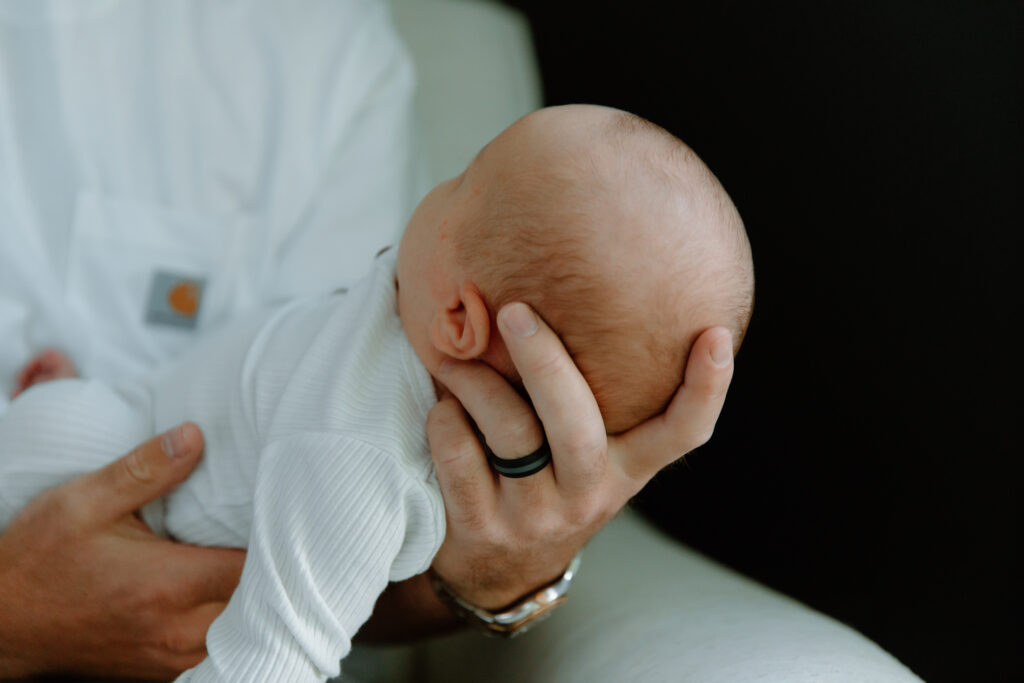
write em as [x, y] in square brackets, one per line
[334, 519]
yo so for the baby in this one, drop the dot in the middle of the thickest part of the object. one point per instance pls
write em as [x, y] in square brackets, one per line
[314, 413]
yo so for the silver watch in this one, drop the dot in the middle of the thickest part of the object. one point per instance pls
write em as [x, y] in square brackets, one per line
[516, 618]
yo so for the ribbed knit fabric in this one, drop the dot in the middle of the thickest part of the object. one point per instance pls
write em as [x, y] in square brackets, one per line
[316, 459]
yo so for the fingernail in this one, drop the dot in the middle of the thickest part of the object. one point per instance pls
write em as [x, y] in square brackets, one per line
[721, 350]
[519, 320]
[174, 442]
[446, 365]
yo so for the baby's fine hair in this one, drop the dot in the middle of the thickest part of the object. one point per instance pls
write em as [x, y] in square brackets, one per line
[627, 246]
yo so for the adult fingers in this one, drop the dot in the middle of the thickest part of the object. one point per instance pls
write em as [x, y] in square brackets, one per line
[144, 474]
[207, 574]
[561, 397]
[503, 416]
[689, 419]
[508, 424]
[190, 629]
[179, 643]
[466, 480]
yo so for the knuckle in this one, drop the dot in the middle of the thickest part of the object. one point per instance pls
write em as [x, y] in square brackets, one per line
[702, 435]
[55, 512]
[587, 514]
[464, 494]
[549, 366]
[714, 390]
[589, 448]
[154, 599]
[189, 660]
[548, 528]
[439, 416]
[590, 479]
[135, 468]
[489, 392]
[592, 458]
[148, 619]
[477, 525]
[458, 447]
[177, 641]
[715, 384]
[159, 664]
[444, 423]
[518, 434]
[49, 503]
[538, 527]
[494, 538]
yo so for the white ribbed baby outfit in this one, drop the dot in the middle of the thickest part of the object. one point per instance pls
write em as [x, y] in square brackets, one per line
[316, 460]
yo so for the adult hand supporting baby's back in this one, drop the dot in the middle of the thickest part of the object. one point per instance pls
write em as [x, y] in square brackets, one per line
[93, 590]
[507, 536]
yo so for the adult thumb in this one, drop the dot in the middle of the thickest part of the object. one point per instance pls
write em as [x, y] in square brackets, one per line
[147, 472]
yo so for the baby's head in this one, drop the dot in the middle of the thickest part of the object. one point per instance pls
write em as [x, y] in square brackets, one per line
[612, 229]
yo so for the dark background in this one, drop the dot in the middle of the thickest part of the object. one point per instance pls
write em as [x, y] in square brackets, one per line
[867, 461]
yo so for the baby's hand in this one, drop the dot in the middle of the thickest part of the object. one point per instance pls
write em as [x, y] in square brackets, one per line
[47, 366]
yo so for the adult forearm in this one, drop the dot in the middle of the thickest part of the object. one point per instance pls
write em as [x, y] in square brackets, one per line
[405, 612]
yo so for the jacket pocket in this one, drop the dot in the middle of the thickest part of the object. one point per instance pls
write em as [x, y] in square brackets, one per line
[148, 278]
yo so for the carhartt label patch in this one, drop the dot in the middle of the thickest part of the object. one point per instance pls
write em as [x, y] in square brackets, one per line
[174, 300]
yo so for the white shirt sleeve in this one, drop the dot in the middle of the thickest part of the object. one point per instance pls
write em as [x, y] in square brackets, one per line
[335, 519]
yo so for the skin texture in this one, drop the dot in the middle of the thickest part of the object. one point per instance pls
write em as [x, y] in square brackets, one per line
[86, 587]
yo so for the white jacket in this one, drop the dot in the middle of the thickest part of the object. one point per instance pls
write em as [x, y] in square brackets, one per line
[261, 149]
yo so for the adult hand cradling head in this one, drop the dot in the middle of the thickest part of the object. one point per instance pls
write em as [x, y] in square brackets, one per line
[507, 536]
[631, 249]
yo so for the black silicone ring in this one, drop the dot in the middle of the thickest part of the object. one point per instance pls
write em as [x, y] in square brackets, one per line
[516, 468]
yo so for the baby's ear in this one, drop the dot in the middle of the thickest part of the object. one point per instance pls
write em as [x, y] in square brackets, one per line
[462, 326]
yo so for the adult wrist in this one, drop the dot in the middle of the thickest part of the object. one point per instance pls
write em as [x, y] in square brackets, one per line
[515, 617]
[405, 612]
[503, 584]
